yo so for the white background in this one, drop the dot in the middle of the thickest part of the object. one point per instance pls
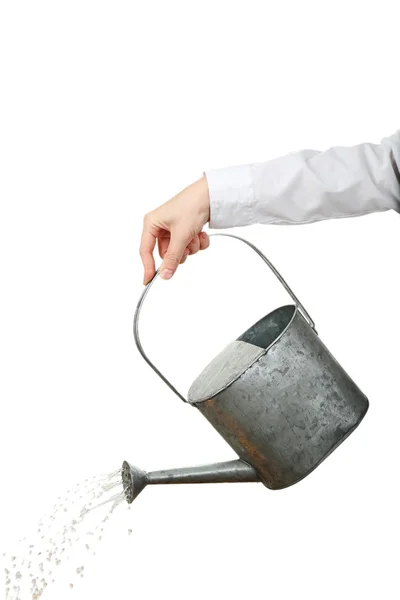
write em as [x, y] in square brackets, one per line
[107, 109]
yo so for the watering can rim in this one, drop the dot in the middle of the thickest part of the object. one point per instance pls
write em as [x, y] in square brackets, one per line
[263, 352]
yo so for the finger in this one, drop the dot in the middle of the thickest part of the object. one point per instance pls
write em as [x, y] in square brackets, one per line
[147, 245]
[185, 255]
[204, 240]
[194, 245]
[174, 254]
[163, 243]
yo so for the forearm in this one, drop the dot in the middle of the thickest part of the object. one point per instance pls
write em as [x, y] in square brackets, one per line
[308, 186]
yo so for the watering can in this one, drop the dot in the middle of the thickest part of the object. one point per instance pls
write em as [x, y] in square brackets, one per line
[275, 394]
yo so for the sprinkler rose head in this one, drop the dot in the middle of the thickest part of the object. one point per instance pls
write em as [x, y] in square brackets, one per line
[134, 480]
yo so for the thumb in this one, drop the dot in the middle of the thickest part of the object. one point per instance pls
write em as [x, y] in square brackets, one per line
[174, 254]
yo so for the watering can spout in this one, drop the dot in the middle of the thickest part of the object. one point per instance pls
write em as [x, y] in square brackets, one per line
[135, 480]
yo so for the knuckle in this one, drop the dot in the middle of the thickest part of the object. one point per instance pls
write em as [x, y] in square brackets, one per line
[173, 257]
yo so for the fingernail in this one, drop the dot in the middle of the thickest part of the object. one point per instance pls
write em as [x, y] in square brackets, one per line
[166, 274]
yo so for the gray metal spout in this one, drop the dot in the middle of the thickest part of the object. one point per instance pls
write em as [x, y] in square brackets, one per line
[135, 480]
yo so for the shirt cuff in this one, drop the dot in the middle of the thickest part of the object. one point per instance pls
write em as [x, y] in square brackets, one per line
[231, 196]
[392, 142]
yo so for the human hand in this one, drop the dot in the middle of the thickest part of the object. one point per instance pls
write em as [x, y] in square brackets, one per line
[176, 225]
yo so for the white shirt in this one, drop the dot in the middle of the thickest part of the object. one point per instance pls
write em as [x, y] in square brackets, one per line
[308, 186]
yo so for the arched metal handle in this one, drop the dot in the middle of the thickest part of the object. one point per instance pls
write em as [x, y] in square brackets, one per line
[300, 307]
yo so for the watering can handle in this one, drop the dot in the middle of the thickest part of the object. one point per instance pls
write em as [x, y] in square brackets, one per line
[300, 307]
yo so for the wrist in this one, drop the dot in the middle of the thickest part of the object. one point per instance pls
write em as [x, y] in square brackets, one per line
[203, 198]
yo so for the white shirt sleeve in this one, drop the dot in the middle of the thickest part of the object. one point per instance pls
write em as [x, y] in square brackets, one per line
[308, 186]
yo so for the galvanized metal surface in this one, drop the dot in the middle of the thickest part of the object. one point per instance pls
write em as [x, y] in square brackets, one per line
[224, 369]
[236, 358]
[234, 471]
[290, 409]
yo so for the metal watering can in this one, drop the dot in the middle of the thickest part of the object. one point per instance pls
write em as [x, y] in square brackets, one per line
[275, 394]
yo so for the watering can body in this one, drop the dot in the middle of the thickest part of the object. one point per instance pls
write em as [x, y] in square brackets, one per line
[276, 395]
[290, 407]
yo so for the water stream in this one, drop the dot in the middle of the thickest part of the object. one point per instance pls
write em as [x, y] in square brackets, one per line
[77, 520]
